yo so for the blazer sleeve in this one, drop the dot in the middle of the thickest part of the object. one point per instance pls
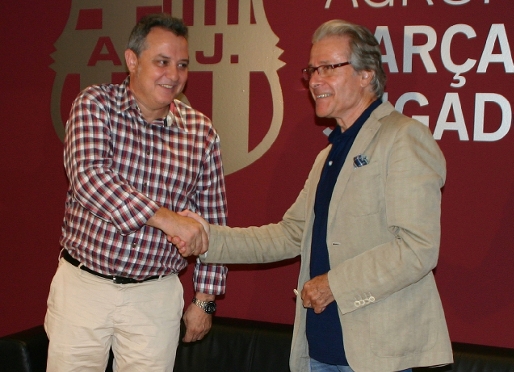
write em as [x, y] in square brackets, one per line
[268, 243]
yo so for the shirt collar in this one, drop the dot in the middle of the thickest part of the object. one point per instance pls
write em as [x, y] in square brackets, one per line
[176, 114]
[337, 134]
[128, 101]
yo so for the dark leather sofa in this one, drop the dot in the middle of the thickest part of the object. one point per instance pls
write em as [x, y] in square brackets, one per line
[236, 345]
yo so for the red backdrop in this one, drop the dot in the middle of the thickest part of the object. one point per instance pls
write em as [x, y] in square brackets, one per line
[425, 44]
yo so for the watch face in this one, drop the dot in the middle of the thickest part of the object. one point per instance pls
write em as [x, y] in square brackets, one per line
[210, 307]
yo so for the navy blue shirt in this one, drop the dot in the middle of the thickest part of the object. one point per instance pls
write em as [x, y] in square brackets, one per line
[324, 333]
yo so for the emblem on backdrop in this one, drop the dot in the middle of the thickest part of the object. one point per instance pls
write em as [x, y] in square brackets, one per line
[90, 51]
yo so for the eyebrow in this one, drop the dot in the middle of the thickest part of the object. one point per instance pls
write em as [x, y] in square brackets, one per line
[160, 55]
[322, 63]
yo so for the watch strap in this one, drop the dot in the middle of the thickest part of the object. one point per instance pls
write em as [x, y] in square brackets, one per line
[208, 306]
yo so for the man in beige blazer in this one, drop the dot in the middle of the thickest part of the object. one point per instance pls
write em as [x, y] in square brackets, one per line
[376, 218]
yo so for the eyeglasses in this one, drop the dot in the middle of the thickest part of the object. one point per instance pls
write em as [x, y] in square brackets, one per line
[323, 70]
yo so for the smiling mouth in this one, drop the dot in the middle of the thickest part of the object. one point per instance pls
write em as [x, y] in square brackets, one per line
[325, 95]
[167, 86]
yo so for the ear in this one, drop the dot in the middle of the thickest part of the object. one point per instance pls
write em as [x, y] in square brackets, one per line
[131, 60]
[366, 77]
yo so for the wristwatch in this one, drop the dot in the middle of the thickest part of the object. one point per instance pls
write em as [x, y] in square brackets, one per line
[208, 306]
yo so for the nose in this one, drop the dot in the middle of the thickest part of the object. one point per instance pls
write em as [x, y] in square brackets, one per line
[172, 72]
[315, 80]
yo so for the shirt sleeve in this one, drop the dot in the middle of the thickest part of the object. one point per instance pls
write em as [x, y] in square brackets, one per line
[88, 161]
[211, 204]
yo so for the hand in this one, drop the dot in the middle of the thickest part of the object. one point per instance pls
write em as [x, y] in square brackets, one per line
[197, 218]
[316, 293]
[177, 241]
[191, 236]
[198, 322]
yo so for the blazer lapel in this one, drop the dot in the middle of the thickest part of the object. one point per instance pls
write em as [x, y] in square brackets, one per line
[361, 143]
[314, 176]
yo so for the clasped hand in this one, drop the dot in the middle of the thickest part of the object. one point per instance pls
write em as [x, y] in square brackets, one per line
[316, 293]
[187, 244]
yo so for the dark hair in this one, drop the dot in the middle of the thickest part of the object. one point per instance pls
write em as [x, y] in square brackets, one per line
[365, 51]
[137, 38]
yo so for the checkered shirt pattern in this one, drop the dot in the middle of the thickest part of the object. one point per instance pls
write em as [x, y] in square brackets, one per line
[122, 169]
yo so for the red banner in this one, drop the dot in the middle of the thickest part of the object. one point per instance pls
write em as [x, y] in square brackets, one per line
[449, 64]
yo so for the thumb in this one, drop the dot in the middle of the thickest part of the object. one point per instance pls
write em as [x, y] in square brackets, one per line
[185, 213]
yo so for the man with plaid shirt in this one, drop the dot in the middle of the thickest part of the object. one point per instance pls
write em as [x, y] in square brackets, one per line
[134, 155]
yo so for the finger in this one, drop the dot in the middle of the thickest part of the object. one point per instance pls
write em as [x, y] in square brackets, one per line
[188, 337]
[179, 243]
[183, 213]
[205, 242]
[319, 310]
[194, 216]
[183, 252]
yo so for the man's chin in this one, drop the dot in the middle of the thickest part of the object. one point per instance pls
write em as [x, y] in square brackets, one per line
[166, 101]
[321, 113]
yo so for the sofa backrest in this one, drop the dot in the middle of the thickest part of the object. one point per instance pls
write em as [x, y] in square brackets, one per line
[231, 345]
[236, 345]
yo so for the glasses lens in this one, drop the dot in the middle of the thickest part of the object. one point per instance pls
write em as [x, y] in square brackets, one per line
[307, 73]
[325, 70]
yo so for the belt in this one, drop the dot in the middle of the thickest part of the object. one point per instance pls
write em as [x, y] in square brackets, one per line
[115, 279]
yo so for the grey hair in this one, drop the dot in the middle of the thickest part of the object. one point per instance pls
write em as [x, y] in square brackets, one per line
[137, 39]
[365, 51]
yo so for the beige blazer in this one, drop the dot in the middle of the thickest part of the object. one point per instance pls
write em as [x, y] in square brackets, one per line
[383, 241]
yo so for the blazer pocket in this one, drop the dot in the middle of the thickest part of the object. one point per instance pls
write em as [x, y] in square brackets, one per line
[365, 191]
[406, 323]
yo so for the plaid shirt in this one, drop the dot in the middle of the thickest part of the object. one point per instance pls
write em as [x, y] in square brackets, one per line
[122, 169]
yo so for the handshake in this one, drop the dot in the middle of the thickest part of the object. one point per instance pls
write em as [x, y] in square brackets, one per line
[195, 239]
[191, 234]
[186, 230]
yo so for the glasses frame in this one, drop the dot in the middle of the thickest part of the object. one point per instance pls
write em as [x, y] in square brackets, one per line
[309, 71]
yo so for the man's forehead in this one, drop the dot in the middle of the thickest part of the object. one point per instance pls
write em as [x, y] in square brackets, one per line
[332, 42]
[329, 48]
[159, 34]
[166, 45]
